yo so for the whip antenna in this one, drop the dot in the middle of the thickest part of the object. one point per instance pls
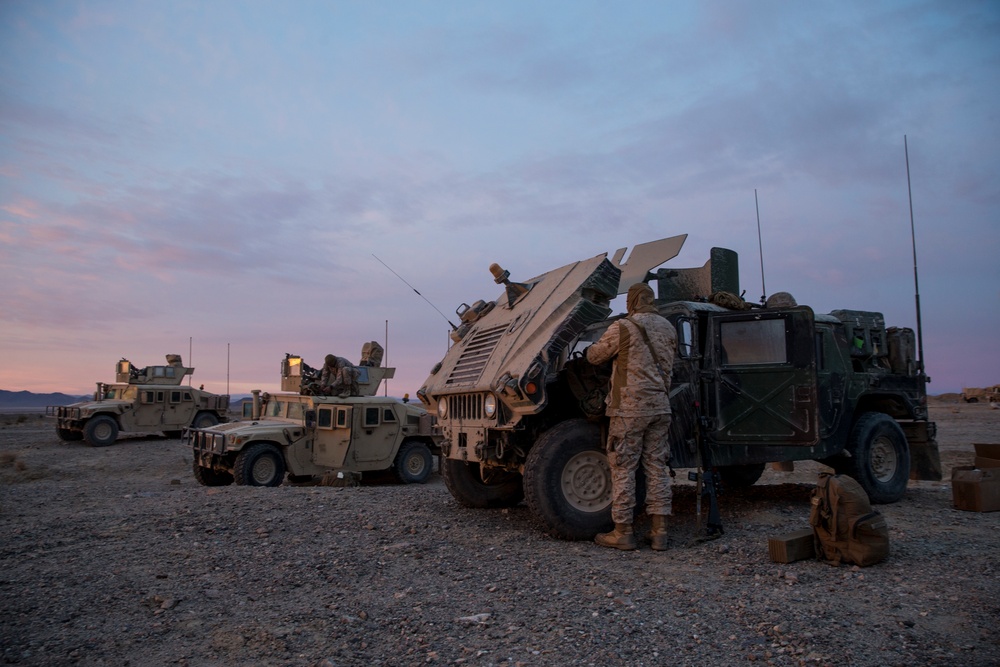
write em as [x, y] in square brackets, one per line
[913, 241]
[760, 246]
[415, 290]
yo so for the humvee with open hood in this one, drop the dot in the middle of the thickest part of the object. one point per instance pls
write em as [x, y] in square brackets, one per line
[522, 412]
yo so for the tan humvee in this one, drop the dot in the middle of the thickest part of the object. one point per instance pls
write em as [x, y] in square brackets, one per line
[140, 400]
[984, 395]
[306, 435]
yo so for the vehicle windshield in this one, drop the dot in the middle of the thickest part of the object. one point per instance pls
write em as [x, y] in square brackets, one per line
[274, 408]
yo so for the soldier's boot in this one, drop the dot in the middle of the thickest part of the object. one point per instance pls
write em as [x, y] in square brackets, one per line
[657, 535]
[621, 537]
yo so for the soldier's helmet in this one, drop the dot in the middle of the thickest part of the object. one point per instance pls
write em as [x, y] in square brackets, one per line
[780, 300]
[330, 359]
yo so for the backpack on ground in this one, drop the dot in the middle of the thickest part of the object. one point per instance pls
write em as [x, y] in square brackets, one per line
[845, 527]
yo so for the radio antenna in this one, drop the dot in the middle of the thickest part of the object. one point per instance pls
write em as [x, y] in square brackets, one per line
[415, 290]
[760, 246]
[913, 241]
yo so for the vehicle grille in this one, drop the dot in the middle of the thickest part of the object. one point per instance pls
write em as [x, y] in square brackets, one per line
[465, 406]
[68, 413]
[477, 352]
[204, 441]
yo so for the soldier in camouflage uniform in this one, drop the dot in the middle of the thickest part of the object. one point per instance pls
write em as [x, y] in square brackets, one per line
[642, 346]
[338, 377]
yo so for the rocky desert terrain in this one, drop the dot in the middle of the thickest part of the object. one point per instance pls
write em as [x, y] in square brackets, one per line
[116, 556]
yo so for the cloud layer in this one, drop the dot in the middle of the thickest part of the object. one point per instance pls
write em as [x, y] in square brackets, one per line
[224, 173]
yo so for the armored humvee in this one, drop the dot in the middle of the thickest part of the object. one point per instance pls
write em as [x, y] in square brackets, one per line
[522, 411]
[141, 400]
[306, 434]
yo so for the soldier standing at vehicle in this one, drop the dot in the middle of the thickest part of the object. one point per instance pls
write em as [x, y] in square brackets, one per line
[338, 377]
[642, 345]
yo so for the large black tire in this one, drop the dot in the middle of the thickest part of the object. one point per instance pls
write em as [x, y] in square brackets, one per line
[100, 431]
[209, 477]
[501, 488]
[259, 465]
[741, 477]
[204, 420]
[413, 463]
[69, 435]
[880, 457]
[567, 481]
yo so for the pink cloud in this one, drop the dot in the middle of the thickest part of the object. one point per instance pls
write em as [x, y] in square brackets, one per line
[25, 208]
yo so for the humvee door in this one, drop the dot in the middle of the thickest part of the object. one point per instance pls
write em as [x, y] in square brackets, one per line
[333, 435]
[179, 407]
[761, 384]
[380, 426]
[149, 411]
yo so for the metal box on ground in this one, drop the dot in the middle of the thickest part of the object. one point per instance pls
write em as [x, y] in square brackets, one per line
[974, 489]
[987, 455]
[791, 547]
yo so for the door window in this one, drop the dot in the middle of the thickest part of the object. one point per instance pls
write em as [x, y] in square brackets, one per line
[685, 338]
[746, 342]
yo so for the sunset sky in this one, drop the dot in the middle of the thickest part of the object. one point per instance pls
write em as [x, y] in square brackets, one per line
[220, 176]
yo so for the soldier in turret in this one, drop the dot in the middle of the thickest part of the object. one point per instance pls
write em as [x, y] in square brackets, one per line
[338, 377]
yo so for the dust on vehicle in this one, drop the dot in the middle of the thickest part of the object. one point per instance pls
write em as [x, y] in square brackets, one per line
[303, 434]
[152, 399]
[522, 412]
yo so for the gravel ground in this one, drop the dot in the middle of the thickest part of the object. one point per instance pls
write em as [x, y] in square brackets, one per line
[116, 556]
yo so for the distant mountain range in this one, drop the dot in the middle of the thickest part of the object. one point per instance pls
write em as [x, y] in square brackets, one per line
[27, 399]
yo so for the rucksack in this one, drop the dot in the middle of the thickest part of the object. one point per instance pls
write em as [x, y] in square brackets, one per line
[728, 300]
[845, 527]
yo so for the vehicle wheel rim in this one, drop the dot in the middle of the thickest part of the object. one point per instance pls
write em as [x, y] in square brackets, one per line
[586, 482]
[102, 431]
[883, 460]
[263, 470]
[415, 465]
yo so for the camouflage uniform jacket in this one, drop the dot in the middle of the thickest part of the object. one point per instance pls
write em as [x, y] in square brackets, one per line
[638, 387]
[331, 375]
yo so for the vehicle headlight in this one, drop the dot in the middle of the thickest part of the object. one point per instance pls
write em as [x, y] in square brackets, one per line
[443, 407]
[490, 405]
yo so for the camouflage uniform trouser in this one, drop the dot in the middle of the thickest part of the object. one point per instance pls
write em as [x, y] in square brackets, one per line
[343, 381]
[635, 440]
